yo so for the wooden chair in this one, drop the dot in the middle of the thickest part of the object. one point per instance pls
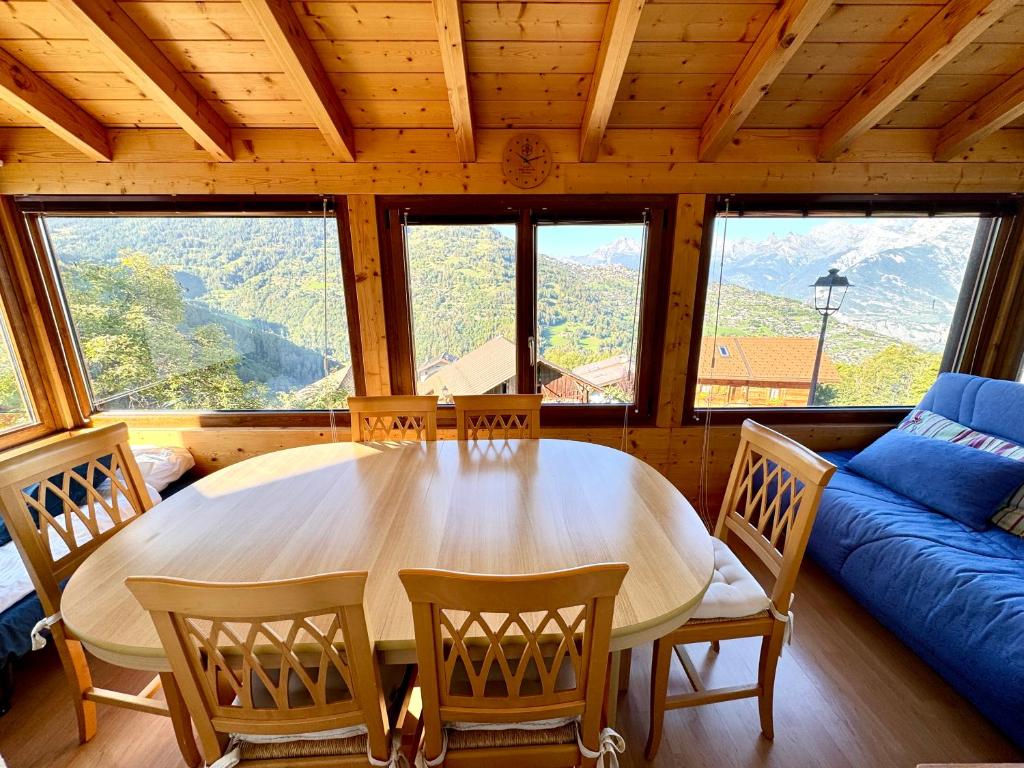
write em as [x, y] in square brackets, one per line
[502, 417]
[770, 505]
[283, 672]
[404, 417]
[55, 536]
[497, 654]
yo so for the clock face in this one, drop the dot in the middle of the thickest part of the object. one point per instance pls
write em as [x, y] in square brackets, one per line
[527, 160]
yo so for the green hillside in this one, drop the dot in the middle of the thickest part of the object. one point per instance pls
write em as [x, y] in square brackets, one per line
[229, 313]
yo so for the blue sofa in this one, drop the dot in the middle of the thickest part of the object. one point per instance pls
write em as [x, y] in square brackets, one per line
[952, 594]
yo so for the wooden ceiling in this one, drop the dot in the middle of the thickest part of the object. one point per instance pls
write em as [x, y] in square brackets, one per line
[79, 68]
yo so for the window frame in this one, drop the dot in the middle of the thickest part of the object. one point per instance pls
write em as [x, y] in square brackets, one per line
[527, 212]
[33, 208]
[1005, 210]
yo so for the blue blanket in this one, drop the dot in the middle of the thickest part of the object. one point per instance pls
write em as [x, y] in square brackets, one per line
[954, 595]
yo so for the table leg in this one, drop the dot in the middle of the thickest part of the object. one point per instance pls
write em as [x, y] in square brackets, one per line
[624, 668]
[612, 704]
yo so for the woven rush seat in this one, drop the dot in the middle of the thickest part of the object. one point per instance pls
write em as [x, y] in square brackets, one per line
[517, 737]
[758, 615]
[355, 745]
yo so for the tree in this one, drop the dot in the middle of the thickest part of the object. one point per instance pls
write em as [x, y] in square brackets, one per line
[130, 319]
[900, 374]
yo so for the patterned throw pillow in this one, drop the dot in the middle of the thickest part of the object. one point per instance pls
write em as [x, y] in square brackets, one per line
[1009, 516]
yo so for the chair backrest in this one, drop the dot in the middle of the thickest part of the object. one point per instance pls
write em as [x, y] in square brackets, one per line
[497, 417]
[270, 658]
[399, 417]
[507, 649]
[60, 501]
[771, 501]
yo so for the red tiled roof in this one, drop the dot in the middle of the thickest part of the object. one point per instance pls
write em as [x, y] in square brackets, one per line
[763, 359]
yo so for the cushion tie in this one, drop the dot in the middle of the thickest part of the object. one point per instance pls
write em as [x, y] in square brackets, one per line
[421, 758]
[38, 641]
[788, 620]
[610, 744]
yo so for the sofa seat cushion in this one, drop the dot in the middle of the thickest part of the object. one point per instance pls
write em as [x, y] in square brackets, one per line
[733, 591]
[953, 594]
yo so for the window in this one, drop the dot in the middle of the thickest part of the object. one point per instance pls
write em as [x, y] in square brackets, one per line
[588, 288]
[548, 297]
[205, 312]
[838, 310]
[15, 404]
[462, 283]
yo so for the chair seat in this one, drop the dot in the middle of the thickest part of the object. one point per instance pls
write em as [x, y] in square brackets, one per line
[512, 737]
[354, 745]
[734, 593]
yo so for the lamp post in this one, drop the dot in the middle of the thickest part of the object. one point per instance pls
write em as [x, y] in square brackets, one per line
[829, 292]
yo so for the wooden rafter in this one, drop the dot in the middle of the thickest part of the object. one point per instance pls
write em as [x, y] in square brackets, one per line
[28, 93]
[448, 15]
[939, 41]
[983, 118]
[786, 30]
[616, 41]
[284, 33]
[112, 30]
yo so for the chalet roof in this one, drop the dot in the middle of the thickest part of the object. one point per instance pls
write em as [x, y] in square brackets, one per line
[479, 370]
[611, 370]
[325, 73]
[763, 359]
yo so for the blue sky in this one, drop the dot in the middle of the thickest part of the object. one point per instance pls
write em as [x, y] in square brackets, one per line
[580, 239]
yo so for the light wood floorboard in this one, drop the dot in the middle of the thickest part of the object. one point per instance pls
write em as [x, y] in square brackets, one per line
[849, 695]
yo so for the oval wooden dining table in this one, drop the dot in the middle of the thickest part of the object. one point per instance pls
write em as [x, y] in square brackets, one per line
[518, 506]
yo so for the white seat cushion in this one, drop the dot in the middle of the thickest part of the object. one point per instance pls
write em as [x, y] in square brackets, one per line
[733, 592]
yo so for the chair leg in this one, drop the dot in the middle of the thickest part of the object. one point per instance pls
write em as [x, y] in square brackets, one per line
[771, 650]
[716, 646]
[76, 668]
[661, 662]
[181, 721]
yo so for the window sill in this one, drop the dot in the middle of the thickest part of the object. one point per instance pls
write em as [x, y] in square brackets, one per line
[824, 415]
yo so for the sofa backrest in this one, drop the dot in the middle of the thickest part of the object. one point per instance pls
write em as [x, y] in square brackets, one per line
[988, 405]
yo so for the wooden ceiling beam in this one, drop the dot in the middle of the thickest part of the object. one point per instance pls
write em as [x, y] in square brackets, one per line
[983, 118]
[616, 41]
[112, 30]
[787, 28]
[287, 39]
[951, 30]
[28, 93]
[448, 15]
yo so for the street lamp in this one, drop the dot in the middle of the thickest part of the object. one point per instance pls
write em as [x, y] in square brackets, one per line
[829, 292]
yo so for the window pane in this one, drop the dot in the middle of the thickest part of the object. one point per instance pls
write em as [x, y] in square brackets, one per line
[15, 408]
[462, 281]
[206, 312]
[588, 278]
[885, 336]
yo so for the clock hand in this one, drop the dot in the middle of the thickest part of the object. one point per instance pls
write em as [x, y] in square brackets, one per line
[535, 157]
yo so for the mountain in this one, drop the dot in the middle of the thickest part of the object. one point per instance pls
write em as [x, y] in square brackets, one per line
[625, 251]
[906, 273]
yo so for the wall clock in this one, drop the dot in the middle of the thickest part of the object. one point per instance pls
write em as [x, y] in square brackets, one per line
[527, 160]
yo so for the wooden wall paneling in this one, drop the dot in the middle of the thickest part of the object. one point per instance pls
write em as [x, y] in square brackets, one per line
[1000, 107]
[112, 30]
[612, 177]
[24, 90]
[616, 42]
[284, 33]
[682, 295]
[781, 37]
[945, 36]
[448, 14]
[369, 295]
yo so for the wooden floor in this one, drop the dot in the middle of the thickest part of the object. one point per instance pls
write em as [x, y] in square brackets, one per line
[849, 695]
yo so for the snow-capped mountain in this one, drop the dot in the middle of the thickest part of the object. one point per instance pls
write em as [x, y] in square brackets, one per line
[906, 273]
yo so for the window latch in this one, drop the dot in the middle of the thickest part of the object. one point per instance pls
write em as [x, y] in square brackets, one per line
[531, 343]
